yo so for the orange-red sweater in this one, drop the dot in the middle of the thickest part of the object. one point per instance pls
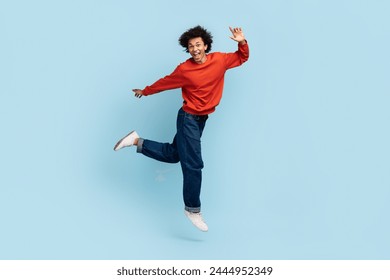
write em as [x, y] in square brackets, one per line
[201, 84]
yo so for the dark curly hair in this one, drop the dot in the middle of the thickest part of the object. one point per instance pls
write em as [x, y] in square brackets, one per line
[197, 31]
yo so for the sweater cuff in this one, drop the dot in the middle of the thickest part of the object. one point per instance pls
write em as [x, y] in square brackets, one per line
[146, 91]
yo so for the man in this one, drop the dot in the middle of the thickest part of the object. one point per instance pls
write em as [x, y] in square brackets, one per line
[201, 79]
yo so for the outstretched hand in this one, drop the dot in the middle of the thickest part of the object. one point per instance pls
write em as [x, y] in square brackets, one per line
[238, 35]
[138, 93]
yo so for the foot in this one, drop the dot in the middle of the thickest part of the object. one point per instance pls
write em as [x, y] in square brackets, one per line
[197, 220]
[127, 141]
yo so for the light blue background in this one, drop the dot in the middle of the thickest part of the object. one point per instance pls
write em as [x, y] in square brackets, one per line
[296, 155]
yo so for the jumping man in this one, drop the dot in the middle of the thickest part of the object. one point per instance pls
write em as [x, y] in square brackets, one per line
[201, 80]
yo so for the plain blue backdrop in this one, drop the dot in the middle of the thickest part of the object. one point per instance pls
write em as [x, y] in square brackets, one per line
[296, 155]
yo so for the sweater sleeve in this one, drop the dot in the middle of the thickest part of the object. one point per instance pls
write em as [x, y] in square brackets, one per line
[237, 58]
[171, 81]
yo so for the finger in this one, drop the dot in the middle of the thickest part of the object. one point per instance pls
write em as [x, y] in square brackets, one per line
[231, 30]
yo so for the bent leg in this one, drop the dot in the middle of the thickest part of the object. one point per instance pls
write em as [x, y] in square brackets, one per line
[165, 152]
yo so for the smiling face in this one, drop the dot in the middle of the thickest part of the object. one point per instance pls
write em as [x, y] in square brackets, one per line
[197, 49]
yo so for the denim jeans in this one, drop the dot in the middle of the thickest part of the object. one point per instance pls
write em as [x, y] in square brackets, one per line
[186, 149]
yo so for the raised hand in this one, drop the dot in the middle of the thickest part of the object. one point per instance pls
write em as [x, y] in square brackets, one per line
[238, 35]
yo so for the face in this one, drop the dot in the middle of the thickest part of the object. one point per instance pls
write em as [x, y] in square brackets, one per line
[197, 49]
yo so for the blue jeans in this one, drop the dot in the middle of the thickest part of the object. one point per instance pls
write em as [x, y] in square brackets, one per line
[186, 149]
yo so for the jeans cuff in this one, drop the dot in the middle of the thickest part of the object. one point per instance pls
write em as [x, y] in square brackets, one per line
[139, 145]
[192, 209]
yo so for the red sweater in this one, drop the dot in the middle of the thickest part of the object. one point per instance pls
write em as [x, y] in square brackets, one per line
[201, 84]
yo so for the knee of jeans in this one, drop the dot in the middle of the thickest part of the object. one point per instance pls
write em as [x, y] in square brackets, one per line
[193, 166]
[174, 158]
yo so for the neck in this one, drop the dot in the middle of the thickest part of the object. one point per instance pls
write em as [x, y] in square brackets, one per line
[203, 60]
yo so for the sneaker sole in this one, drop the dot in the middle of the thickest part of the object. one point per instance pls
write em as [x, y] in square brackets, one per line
[120, 141]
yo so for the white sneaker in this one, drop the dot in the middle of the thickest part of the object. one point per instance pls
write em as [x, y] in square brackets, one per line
[126, 141]
[197, 220]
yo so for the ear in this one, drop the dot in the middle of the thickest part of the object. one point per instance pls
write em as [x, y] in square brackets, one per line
[205, 47]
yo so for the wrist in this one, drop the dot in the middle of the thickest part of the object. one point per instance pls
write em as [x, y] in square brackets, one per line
[243, 42]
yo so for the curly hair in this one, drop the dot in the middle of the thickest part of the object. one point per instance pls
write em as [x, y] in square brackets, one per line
[197, 31]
